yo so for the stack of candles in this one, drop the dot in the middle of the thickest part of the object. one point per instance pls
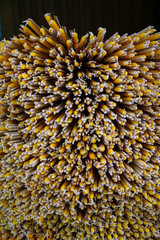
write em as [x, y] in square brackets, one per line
[79, 135]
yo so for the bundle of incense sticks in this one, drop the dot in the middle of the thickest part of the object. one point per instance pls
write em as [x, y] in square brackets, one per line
[80, 135]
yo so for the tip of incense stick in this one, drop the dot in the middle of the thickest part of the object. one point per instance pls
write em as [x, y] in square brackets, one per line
[47, 14]
[3, 40]
[13, 37]
[103, 29]
[25, 21]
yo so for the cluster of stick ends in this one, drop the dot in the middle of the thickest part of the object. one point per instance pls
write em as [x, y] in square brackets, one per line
[80, 135]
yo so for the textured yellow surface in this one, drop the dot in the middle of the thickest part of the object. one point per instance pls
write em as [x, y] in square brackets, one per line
[80, 134]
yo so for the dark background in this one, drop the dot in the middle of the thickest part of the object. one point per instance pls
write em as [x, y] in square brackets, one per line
[84, 15]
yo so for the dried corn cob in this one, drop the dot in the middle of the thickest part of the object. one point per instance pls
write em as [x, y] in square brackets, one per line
[79, 132]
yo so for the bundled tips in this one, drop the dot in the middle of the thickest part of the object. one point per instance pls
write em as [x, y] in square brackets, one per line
[79, 134]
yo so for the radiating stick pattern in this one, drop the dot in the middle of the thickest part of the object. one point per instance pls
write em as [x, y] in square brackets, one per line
[80, 134]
